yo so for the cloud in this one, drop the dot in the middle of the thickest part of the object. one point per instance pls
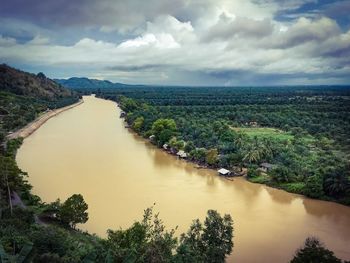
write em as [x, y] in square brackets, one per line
[305, 30]
[178, 41]
[7, 41]
[229, 27]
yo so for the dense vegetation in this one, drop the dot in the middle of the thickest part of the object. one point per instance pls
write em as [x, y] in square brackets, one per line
[24, 83]
[302, 132]
[23, 96]
[33, 231]
[314, 251]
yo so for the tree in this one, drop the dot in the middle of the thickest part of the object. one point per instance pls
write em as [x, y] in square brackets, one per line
[212, 156]
[314, 251]
[73, 211]
[11, 179]
[314, 187]
[198, 154]
[281, 174]
[210, 242]
[164, 129]
[239, 140]
[217, 237]
[176, 144]
[163, 124]
[252, 154]
[22, 256]
[127, 104]
[145, 241]
[336, 183]
[189, 146]
[138, 124]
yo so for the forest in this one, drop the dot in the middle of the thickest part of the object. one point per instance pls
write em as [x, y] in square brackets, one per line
[34, 231]
[302, 133]
[212, 134]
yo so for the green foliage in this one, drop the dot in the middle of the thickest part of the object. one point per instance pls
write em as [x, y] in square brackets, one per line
[253, 172]
[189, 147]
[22, 256]
[314, 251]
[176, 144]
[138, 123]
[313, 187]
[261, 179]
[11, 179]
[336, 181]
[73, 211]
[198, 154]
[265, 132]
[212, 156]
[145, 241]
[210, 242]
[281, 174]
[297, 187]
[12, 146]
[164, 129]
[301, 131]
[127, 104]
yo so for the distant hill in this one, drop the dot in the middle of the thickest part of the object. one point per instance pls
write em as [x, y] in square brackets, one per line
[86, 83]
[31, 85]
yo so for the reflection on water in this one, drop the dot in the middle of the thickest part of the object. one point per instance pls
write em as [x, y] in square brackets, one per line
[87, 150]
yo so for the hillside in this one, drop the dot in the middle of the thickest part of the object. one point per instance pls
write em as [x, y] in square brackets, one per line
[86, 83]
[27, 84]
[24, 96]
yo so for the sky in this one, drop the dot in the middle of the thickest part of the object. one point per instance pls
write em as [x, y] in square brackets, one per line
[180, 42]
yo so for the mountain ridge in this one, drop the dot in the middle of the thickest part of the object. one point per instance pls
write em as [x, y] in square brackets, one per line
[33, 85]
[87, 83]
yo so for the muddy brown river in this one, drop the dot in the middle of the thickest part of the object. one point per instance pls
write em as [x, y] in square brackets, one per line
[87, 150]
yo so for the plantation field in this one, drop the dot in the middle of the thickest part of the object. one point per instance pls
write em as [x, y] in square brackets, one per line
[264, 132]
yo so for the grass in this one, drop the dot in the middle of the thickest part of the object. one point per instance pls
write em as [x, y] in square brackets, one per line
[261, 179]
[265, 132]
[297, 187]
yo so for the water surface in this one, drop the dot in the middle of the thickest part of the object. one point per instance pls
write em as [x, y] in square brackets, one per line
[87, 150]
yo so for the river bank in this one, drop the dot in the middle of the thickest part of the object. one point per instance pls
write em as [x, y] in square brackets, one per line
[36, 124]
[207, 145]
[88, 150]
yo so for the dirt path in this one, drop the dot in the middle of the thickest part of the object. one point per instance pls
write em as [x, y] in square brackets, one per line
[17, 201]
[34, 125]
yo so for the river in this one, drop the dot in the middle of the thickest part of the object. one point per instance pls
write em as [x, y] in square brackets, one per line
[88, 150]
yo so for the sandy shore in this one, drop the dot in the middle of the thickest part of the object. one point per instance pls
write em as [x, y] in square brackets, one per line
[34, 125]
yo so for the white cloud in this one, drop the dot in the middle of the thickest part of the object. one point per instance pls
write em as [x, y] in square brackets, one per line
[162, 40]
[213, 38]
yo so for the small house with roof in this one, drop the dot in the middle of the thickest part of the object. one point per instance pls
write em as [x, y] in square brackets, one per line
[224, 172]
[266, 167]
[181, 154]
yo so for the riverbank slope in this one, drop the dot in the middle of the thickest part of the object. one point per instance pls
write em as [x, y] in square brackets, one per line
[36, 124]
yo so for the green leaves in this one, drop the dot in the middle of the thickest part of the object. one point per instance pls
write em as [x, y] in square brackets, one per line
[314, 251]
[73, 211]
[210, 242]
[164, 130]
[21, 257]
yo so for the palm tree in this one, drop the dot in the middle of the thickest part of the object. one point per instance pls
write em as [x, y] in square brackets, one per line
[336, 183]
[252, 154]
[239, 140]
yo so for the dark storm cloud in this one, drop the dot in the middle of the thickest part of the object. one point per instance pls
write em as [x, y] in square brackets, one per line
[86, 12]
